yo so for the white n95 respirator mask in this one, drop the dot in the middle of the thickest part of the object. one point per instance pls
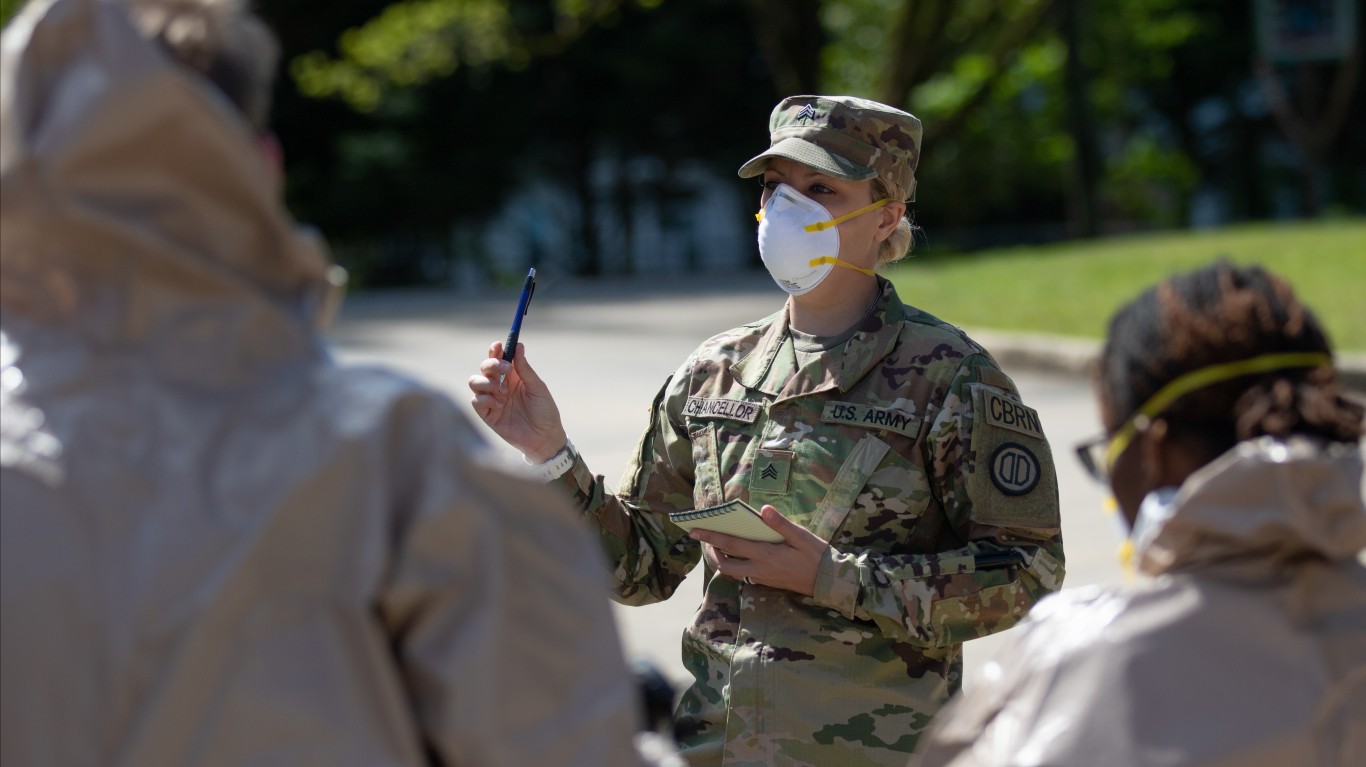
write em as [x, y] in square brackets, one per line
[798, 239]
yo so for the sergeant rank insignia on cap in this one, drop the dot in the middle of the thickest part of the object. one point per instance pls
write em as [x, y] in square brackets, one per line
[807, 112]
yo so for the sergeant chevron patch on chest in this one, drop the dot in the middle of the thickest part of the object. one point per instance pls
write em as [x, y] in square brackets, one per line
[771, 471]
[870, 417]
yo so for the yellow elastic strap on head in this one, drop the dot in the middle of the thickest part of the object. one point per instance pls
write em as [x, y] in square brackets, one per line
[823, 225]
[1199, 379]
[843, 263]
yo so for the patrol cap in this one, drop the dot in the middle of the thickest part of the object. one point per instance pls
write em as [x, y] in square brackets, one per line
[845, 137]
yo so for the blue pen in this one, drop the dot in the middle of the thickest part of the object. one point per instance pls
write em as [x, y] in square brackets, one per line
[510, 345]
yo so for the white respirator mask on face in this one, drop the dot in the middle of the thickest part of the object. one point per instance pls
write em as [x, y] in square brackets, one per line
[798, 241]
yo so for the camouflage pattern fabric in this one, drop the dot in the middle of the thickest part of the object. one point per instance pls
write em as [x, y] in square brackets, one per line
[912, 454]
[847, 137]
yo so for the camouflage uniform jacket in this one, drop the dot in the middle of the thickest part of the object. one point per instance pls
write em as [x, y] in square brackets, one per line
[910, 453]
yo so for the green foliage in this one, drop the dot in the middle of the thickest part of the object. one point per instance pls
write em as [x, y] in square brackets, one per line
[1018, 141]
[7, 10]
[408, 44]
[1149, 182]
[416, 41]
[425, 116]
[402, 187]
[852, 62]
[1073, 288]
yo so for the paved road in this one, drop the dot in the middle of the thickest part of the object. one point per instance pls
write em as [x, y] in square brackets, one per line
[605, 349]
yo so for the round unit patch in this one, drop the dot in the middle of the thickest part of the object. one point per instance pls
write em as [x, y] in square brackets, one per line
[1014, 469]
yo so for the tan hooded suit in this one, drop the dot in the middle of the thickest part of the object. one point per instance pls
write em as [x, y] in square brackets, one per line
[1246, 649]
[220, 547]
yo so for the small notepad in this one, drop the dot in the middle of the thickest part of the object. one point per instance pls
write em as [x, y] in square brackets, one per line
[731, 518]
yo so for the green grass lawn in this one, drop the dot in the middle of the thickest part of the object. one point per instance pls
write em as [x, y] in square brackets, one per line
[1073, 288]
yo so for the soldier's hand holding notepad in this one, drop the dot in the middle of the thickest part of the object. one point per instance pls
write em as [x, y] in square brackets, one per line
[735, 547]
[735, 518]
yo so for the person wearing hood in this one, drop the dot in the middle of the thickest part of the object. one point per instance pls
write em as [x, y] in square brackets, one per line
[1235, 460]
[219, 546]
[911, 490]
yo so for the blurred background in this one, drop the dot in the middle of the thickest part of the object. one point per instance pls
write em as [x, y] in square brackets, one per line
[1082, 146]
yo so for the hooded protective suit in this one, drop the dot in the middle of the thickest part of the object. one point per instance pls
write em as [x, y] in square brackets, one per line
[219, 547]
[1247, 650]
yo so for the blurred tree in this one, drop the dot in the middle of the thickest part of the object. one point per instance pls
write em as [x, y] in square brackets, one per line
[604, 99]
[413, 42]
[792, 37]
[1314, 116]
[1226, 126]
[616, 116]
[962, 51]
[1013, 94]
[1044, 118]
[387, 184]
[1085, 167]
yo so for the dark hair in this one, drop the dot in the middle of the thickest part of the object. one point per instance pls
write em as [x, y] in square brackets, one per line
[1218, 314]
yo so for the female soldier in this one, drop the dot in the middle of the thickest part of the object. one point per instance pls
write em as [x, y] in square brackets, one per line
[913, 491]
[1234, 459]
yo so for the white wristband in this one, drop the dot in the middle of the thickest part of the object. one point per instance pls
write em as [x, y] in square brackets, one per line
[557, 466]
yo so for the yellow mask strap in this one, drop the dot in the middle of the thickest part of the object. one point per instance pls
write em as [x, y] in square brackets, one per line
[823, 225]
[1125, 554]
[843, 263]
[1199, 379]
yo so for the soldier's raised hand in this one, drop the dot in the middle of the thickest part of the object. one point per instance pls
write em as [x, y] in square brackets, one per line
[520, 408]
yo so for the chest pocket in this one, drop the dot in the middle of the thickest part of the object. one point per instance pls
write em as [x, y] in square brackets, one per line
[707, 487]
[853, 474]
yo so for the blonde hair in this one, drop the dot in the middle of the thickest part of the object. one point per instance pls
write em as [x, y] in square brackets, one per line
[899, 243]
[221, 40]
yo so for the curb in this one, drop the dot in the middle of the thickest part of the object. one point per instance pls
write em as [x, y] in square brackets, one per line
[1075, 356]
[1039, 352]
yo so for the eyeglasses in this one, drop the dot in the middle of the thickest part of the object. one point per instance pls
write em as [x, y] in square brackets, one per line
[1091, 455]
[1098, 454]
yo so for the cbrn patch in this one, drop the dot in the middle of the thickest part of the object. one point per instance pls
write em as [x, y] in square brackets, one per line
[1011, 478]
[1009, 414]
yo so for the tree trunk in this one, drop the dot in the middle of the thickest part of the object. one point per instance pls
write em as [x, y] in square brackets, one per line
[916, 45]
[791, 38]
[1003, 47]
[1085, 165]
[1316, 123]
[589, 256]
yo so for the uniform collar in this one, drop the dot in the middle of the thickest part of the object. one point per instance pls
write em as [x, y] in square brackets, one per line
[767, 368]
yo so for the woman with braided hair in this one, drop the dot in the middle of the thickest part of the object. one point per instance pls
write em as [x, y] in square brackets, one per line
[1235, 460]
